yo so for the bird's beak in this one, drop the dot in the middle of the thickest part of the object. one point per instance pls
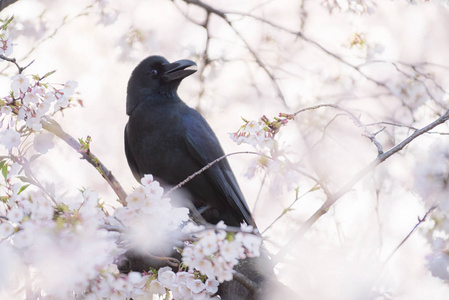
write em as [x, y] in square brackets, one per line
[178, 70]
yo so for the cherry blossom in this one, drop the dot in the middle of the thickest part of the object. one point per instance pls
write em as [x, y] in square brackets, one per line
[10, 138]
[6, 230]
[43, 142]
[20, 83]
[15, 215]
[216, 252]
[148, 211]
[255, 133]
[185, 285]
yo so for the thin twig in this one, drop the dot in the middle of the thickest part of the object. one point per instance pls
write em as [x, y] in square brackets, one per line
[420, 220]
[286, 210]
[368, 134]
[205, 168]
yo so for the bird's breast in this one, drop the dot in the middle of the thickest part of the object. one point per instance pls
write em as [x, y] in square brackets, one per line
[156, 140]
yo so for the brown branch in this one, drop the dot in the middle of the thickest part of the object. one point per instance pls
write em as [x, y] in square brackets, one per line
[53, 127]
[349, 185]
[250, 285]
[14, 61]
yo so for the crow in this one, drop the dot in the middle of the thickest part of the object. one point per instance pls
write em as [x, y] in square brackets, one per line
[166, 138]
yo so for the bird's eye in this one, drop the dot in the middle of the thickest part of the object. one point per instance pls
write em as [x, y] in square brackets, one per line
[152, 72]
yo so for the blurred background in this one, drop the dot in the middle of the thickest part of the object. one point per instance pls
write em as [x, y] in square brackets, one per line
[384, 62]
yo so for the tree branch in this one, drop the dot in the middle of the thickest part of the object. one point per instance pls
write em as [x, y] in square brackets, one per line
[348, 186]
[53, 127]
[250, 285]
[13, 60]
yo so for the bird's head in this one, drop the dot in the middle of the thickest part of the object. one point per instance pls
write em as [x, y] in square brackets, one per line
[156, 76]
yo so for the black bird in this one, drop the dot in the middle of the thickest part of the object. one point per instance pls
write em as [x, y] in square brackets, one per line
[170, 140]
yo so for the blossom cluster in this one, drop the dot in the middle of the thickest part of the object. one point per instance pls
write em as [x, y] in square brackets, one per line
[211, 258]
[30, 101]
[148, 211]
[216, 251]
[255, 133]
[50, 236]
[46, 236]
[139, 286]
[188, 285]
[365, 48]
[28, 104]
[261, 134]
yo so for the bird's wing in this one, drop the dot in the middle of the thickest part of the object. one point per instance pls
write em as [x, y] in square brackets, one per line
[130, 157]
[204, 147]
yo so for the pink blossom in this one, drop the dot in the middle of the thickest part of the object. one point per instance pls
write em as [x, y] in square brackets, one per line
[43, 142]
[136, 199]
[195, 285]
[212, 285]
[147, 179]
[231, 251]
[6, 229]
[5, 110]
[10, 138]
[69, 88]
[30, 98]
[15, 214]
[20, 83]
[156, 287]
